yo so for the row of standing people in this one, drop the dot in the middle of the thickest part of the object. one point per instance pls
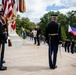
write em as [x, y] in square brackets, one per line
[69, 45]
[36, 35]
[33, 35]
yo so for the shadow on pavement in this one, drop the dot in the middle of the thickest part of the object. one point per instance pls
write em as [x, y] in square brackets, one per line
[29, 68]
[74, 65]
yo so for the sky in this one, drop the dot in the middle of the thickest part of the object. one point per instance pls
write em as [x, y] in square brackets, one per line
[35, 9]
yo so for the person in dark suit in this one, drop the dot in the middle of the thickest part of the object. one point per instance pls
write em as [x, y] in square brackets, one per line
[2, 42]
[38, 35]
[52, 37]
[72, 46]
[67, 45]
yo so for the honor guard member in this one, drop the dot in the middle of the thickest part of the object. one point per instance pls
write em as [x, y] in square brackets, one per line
[52, 37]
[2, 42]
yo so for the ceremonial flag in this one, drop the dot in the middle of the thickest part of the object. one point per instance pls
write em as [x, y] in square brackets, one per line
[15, 11]
[13, 26]
[15, 7]
[13, 2]
[72, 30]
[7, 8]
[22, 6]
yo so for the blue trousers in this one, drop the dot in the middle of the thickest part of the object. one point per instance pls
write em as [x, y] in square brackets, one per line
[52, 55]
[2, 54]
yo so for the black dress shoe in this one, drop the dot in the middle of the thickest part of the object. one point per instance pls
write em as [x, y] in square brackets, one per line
[51, 67]
[3, 61]
[72, 52]
[3, 68]
[54, 67]
[38, 45]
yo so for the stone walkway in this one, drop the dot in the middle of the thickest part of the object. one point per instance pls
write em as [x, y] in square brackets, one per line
[33, 60]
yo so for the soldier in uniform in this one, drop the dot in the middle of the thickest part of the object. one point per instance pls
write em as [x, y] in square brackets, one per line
[52, 37]
[2, 42]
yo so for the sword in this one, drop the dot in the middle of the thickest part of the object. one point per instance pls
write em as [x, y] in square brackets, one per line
[60, 50]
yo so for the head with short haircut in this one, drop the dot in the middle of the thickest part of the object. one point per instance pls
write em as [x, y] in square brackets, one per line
[54, 18]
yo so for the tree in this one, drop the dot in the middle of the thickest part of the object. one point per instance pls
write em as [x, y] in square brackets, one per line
[71, 18]
[24, 23]
[18, 25]
[63, 20]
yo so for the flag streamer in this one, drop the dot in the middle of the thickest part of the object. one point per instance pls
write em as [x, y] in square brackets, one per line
[13, 26]
[22, 6]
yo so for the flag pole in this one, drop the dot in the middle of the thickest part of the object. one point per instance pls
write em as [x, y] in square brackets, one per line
[8, 39]
[7, 23]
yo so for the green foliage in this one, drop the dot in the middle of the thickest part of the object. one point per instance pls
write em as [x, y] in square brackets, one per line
[25, 24]
[0, 4]
[64, 21]
[63, 34]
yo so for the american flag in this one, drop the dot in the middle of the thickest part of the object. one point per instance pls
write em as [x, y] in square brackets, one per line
[13, 26]
[15, 11]
[10, 8]
[15, 7]
[7, 8]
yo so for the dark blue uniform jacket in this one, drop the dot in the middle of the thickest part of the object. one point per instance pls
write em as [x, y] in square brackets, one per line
[53, 28]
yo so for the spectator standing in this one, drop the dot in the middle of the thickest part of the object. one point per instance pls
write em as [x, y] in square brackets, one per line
[34, 35]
